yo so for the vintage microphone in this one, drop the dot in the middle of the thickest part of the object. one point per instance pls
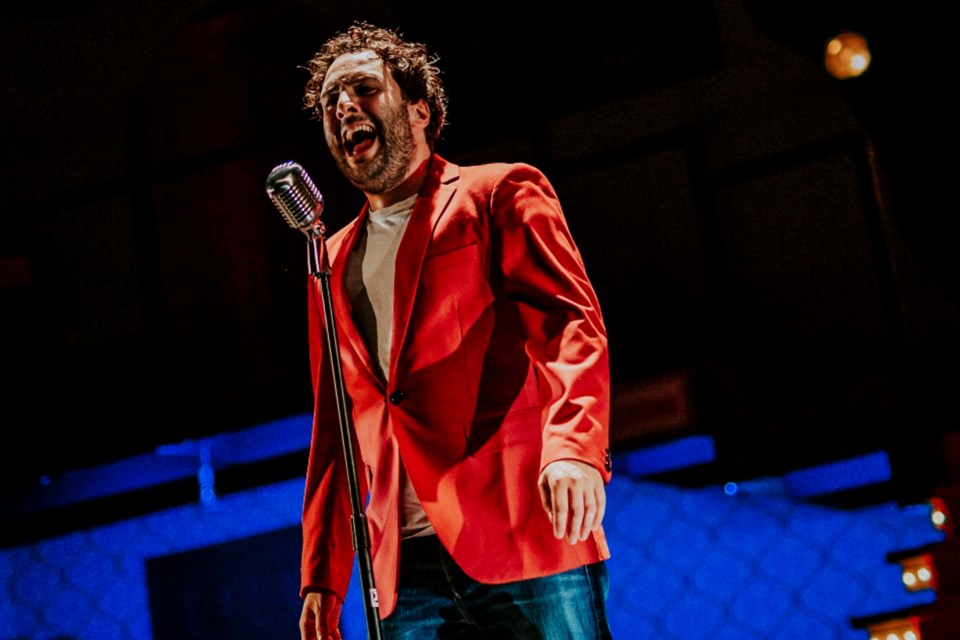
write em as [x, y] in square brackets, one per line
[300, 203]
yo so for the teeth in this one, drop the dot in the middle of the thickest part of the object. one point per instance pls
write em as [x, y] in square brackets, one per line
[350, 135]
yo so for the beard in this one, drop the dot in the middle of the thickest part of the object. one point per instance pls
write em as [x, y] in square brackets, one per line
[391, 162]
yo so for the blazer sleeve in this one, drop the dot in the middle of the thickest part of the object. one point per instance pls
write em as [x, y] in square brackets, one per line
[544, 275]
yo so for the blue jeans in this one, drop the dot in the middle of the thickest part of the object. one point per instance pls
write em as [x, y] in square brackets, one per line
[438, 600]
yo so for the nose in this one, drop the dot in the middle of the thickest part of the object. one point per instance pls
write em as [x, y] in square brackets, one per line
[345, 104]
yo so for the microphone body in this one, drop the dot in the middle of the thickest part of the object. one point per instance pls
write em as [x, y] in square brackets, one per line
[296, 197]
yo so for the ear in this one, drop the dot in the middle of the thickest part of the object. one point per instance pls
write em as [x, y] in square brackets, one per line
[419, 113]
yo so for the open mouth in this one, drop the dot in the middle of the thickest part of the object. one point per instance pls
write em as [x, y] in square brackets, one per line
[358, 139]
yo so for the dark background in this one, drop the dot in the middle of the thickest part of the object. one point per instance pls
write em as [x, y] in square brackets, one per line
[779, 241]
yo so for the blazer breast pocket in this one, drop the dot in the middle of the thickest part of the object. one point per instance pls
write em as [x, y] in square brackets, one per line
[449, 258]
[455, 282]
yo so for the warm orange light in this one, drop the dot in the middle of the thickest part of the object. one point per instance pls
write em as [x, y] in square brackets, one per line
[901, 629]
[940, 515]
[917, 573]
[847, 55]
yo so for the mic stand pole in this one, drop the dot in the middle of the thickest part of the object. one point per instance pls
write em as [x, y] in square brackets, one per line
[319, 267]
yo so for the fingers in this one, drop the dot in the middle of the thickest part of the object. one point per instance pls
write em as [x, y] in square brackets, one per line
[309, 626]
[588, 510]
[320, 616]
[562, 517]
[574, 497]
[553, 497]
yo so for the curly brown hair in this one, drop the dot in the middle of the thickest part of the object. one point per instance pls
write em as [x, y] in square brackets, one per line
[411, 64]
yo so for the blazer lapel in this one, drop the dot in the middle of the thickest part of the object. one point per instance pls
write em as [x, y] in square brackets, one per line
[343, 310]
[435, 194]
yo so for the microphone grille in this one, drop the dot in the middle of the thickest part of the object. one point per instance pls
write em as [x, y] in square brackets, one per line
[295, 196]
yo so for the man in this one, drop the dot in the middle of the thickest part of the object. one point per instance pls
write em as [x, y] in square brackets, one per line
[475, 360]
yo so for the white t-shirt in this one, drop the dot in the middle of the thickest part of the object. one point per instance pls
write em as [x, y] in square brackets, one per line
[369, 283]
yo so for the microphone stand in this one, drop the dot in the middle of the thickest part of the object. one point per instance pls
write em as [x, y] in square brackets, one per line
[319, 267]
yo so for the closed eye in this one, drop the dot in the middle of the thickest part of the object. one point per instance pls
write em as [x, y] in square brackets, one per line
[364, 90]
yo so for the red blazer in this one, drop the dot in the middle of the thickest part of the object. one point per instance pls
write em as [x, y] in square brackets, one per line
[498, 367]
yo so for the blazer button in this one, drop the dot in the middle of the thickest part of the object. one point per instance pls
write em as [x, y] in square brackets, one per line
[397, 397]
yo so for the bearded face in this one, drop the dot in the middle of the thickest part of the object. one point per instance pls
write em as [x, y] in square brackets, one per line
[374, 153]
[372, 130]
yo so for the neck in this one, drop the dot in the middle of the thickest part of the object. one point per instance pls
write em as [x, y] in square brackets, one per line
[408, 187]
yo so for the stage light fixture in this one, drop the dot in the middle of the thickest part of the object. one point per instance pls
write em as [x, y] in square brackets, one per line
[934, 568]
[938, 514]
[918, 573]
[897, 629]
[945, 508]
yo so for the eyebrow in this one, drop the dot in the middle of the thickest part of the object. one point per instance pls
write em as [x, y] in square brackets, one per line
[347, 79]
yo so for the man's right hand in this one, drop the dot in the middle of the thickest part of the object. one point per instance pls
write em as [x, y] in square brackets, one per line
[320, 617]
